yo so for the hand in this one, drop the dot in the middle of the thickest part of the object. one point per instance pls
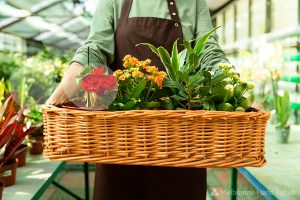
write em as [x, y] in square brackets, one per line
[68, 86]
[57, 97]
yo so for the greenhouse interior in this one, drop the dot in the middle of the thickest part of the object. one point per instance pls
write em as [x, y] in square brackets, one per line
[195, 112]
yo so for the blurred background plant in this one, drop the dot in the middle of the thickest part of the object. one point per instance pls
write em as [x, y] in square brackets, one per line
[34, 78]
[282, 106]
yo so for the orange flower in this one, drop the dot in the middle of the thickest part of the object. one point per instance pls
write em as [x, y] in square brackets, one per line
[134, 61]
[145, 62]
[151, 77]
[127, 57]
[122, 77]
[130, 61]
[118, 72]
[163, 74]
[159, 81]
[137, 73]
[151, 69]
[126, 64]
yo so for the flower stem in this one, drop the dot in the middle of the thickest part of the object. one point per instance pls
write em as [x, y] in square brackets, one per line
[88, 100]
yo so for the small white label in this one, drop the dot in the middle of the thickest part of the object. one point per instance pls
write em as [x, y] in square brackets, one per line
[7, 173]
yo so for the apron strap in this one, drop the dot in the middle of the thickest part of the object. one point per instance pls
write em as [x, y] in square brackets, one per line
[125, 11]
[171, 5]
[173, 11]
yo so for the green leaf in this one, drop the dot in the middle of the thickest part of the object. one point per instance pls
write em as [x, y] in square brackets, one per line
[182, 57]
[151, 105]
[175, 56]
[206, 75]
[197, 101]
[178, 98]
[225, 107]
[202, 41]
[240, 89]
[188, 47]
[167, 103]
[209, 105]
[138, 90]
[129, 105]
[194, 61]
[246, 104]
[203, 90]
[240, 109]
[151, 47]
[166, 60]
[173, 84]
[183, 77]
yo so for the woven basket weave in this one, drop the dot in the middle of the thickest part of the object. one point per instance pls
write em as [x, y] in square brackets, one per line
[156, 137]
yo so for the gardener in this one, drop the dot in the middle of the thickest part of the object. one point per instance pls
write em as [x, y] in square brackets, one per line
[118, 25]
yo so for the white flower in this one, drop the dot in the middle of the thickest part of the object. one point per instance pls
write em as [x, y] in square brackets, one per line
[229, 88]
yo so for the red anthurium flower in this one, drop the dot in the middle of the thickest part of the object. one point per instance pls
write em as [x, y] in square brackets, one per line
[99, 82]
[91, 83]
[109, 82]
[99, 71]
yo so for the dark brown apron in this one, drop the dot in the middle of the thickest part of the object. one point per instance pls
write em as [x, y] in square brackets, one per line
[122, 182]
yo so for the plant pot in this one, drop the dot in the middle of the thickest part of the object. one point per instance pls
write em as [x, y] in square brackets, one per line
[283, 135]
[2, 184]
[39, 138]
[8, 172]
[36, 147]
[20, 155]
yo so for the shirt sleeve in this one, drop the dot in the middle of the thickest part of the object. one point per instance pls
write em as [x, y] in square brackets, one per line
[101, 37]
[213, 54]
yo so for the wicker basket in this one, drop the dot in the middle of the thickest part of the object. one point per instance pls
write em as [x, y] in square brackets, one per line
[156, 137]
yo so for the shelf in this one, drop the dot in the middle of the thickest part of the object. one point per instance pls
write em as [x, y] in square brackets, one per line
[295, 106]
[295, 57]
[294, 79]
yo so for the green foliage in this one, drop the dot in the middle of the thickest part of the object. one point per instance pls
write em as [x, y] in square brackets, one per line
[283, 109]
[2, 90]
[282, 105]
[35, 76]
[9, 63]
[193, 88]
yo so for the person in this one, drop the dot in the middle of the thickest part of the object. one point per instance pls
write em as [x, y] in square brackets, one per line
[117, 27]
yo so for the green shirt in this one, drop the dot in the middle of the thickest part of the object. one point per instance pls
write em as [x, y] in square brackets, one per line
[194, 16]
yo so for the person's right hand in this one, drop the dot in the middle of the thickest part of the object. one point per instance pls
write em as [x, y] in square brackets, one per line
[53, 99]
[68, 86]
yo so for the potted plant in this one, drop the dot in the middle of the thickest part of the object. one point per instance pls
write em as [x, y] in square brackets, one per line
[2, 185]
[283, 110]
[12, 133]
[21, 154]
[34, 118]
[195, 88]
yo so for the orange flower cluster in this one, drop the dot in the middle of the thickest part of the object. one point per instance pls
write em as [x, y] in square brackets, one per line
[135, 69]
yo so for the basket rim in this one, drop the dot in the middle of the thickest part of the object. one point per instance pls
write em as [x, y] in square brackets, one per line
[189, 113]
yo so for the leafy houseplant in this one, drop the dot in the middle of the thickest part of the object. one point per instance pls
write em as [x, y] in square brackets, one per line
[196, 88]
[12, 133]
[282, 106]
[34, 118]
